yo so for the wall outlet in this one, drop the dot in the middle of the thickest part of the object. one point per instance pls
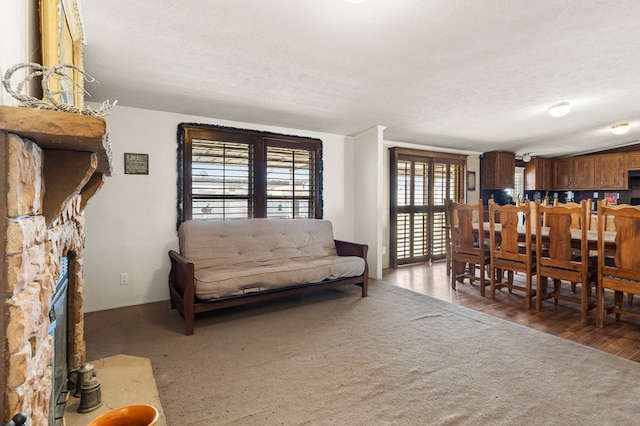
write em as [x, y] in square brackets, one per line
[124, 278]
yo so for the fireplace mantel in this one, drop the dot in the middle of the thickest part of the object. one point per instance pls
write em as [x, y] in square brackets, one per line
[77, 152]
[60, 130]
[51, 164]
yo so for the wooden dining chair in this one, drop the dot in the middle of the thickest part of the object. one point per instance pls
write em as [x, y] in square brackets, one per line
[448, 223]
[623, 274]
[577, 223]
[609, 225]
[535, 214]
[506, 254]
[576, 220]
[468, 249]
[536, 217]
[565, 259]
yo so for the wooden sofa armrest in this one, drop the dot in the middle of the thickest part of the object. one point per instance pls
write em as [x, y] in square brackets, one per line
[177, 257]
[345, 248]
[181, 274]
[182, 288]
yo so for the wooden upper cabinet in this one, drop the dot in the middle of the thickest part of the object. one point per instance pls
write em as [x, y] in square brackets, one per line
[633, 161]
[583, 171]
[574, 173]
[498, 170]
[562, 174]
[538, 174]
[611, 172]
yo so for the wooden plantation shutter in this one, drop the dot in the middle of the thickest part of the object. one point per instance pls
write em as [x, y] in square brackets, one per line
[420, 182]
[221, 180]
[226, 173]
[456, 187]
[290, 182]
[403, 219]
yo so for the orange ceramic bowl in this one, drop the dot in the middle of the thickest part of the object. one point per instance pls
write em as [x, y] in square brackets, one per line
[129, 415]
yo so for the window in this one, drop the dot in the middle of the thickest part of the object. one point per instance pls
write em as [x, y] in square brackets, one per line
[229, 173]
[517, 192]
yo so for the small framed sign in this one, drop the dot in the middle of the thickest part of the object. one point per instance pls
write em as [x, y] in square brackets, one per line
[471, 181]
[136, 164]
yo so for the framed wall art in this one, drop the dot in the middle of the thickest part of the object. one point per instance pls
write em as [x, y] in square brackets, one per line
[471, 181]
[136, 164]
[63, 43]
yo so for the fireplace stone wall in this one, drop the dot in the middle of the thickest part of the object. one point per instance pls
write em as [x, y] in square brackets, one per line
[33, 253]
[43, 192]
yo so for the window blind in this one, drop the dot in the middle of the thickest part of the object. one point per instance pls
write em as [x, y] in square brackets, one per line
[221, 181]
[290, 183]
[227, 173]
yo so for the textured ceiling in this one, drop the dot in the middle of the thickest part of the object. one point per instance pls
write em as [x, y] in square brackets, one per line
[472, 75]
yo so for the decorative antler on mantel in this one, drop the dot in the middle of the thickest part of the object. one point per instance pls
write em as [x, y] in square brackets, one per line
[49, 101]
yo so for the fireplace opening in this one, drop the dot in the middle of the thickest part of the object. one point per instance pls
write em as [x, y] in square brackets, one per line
[59, 330]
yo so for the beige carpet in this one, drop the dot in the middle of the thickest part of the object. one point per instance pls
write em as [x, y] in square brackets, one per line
[124, 380]
[396, 357]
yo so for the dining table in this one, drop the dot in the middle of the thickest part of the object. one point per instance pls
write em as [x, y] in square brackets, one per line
[576, 235]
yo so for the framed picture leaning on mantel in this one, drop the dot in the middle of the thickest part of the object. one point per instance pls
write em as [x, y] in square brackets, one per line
[63, 43]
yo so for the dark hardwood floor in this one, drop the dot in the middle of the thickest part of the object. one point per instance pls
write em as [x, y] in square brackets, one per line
[618, 337]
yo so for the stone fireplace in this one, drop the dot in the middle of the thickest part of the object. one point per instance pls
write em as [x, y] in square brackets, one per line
[51, 164]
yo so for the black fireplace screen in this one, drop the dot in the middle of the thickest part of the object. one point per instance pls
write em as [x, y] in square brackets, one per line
[59, 329]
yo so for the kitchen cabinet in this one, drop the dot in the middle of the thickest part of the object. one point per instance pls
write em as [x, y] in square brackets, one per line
[562, 174]
[498, 170]
[538, 174]
[633, 161]
[611, 172]
[583, 172]
[574, 173]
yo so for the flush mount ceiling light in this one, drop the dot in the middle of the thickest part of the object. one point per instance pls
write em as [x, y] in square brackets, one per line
[355, 1]
[560, 110]
[526, 157]
[620, 128]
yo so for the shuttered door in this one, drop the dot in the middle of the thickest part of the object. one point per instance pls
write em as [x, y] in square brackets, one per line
[419, 185]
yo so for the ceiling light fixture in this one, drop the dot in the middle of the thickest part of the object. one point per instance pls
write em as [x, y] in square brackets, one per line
[620, 128]
[526, 157]
[356, 1]
[560, 110]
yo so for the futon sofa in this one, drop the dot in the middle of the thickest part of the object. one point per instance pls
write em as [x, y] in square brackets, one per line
[225, 263]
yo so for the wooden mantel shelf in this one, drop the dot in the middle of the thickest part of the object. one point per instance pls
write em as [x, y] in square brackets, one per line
[76, 149]
[60, 131]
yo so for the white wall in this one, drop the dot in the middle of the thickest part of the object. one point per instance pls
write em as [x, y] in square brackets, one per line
[131, 222]
[19, 39]
[368, 194]
[473, 165]
[13, 39]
